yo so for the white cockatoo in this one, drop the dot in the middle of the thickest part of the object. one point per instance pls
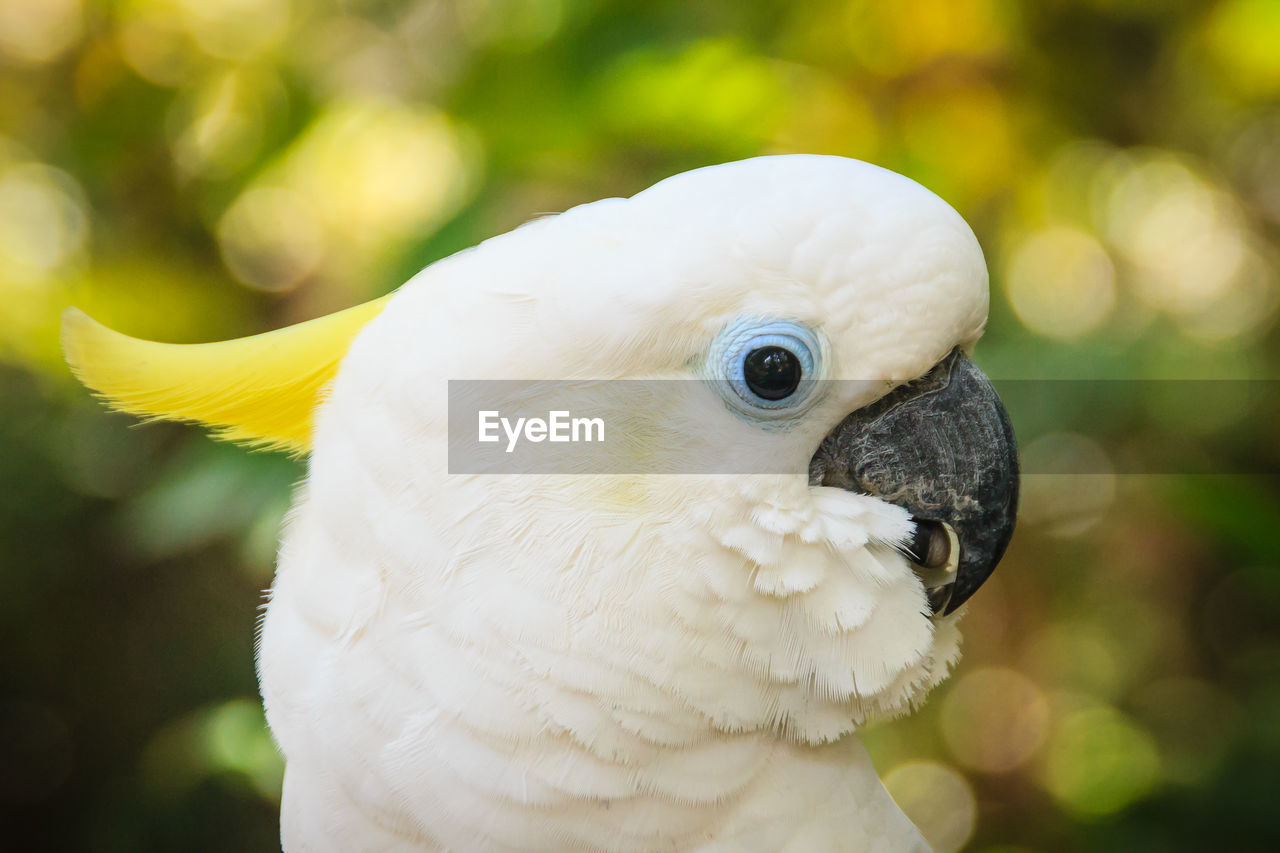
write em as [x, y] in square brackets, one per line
[622, 661]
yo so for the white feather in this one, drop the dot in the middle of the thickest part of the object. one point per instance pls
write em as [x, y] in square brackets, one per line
[616, 662]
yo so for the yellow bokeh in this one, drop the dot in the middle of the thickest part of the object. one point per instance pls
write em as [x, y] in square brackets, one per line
[190, 171]
[34, 32]
[216, 126]
[895, 39]
[962, 137]
[1099, 762]
[364, 179]
[994, 719]
[1243, 37]
[939, 801]
[1061, 282]
[236, 29]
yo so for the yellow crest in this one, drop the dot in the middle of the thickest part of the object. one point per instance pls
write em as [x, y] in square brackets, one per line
[261, 390]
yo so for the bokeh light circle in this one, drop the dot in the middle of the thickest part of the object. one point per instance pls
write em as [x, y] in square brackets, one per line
[33, 32]
[43, 221]
[994, 719]
[1068, 484]
[270, 238]
[937, 799]
[1061, 282]
[1100, 762]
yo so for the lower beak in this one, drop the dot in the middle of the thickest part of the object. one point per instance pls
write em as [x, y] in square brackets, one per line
[941, 448]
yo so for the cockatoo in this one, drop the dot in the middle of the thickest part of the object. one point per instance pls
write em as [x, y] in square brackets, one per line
[625, 662]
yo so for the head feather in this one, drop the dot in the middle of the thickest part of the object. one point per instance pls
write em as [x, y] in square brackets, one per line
[260, 390]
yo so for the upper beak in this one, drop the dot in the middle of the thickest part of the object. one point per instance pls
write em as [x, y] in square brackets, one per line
[942, 448]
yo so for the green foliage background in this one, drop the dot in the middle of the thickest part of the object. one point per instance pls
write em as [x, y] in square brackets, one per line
[191, 170]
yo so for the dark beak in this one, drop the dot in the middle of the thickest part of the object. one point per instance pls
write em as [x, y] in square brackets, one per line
[942, 448]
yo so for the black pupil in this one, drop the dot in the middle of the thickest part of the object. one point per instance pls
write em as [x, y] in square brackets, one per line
[772, 373]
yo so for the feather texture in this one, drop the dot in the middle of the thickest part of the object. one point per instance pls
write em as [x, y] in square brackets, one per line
[579, 661]
[260, 390]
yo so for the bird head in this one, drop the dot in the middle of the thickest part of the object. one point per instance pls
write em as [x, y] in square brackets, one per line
[817, 312]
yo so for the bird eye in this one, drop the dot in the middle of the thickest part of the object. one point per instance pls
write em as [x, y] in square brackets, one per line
[767, 367]
[772, 372]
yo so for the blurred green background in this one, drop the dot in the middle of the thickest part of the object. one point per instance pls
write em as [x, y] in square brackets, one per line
[191, 170]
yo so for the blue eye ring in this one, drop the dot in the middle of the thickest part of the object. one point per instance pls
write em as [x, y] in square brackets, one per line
[727, 362]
